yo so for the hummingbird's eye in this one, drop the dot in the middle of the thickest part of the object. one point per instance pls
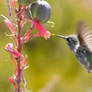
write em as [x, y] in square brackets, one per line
[69, 39]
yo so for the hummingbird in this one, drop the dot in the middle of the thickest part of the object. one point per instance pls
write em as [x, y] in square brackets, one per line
[81, 45]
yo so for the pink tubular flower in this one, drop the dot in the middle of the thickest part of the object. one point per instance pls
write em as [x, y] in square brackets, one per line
[12, 81]
[9, 24]
[14, 5]
[9, 47]
[26, 35]
[41, 30]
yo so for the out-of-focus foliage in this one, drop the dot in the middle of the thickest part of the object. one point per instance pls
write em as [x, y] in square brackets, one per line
[52, 66]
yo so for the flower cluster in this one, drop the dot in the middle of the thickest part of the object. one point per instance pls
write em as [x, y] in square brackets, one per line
[16, 30]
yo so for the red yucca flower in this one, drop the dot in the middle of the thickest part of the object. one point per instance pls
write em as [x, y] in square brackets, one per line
[15, 51]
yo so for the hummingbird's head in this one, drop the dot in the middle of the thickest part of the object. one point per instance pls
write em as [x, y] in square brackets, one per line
[72, 41]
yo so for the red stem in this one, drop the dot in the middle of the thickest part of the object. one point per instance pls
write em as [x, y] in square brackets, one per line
[18, 77]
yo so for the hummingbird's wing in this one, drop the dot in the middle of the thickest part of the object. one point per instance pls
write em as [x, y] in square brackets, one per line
[84, 35]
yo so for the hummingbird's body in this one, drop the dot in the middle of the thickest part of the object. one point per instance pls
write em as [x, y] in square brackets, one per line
[81, 45]
[85, 58]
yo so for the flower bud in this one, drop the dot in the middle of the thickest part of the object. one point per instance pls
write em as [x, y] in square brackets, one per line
[40, 10]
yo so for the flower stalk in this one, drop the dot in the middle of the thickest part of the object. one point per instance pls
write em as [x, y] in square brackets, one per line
[18, 77]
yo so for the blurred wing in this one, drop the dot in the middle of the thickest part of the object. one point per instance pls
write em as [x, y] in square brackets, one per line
[84, 35]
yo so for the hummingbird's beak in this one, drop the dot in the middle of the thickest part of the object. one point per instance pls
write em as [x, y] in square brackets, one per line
[61, 36]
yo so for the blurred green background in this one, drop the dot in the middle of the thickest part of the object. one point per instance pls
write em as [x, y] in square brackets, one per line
[52, 66]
